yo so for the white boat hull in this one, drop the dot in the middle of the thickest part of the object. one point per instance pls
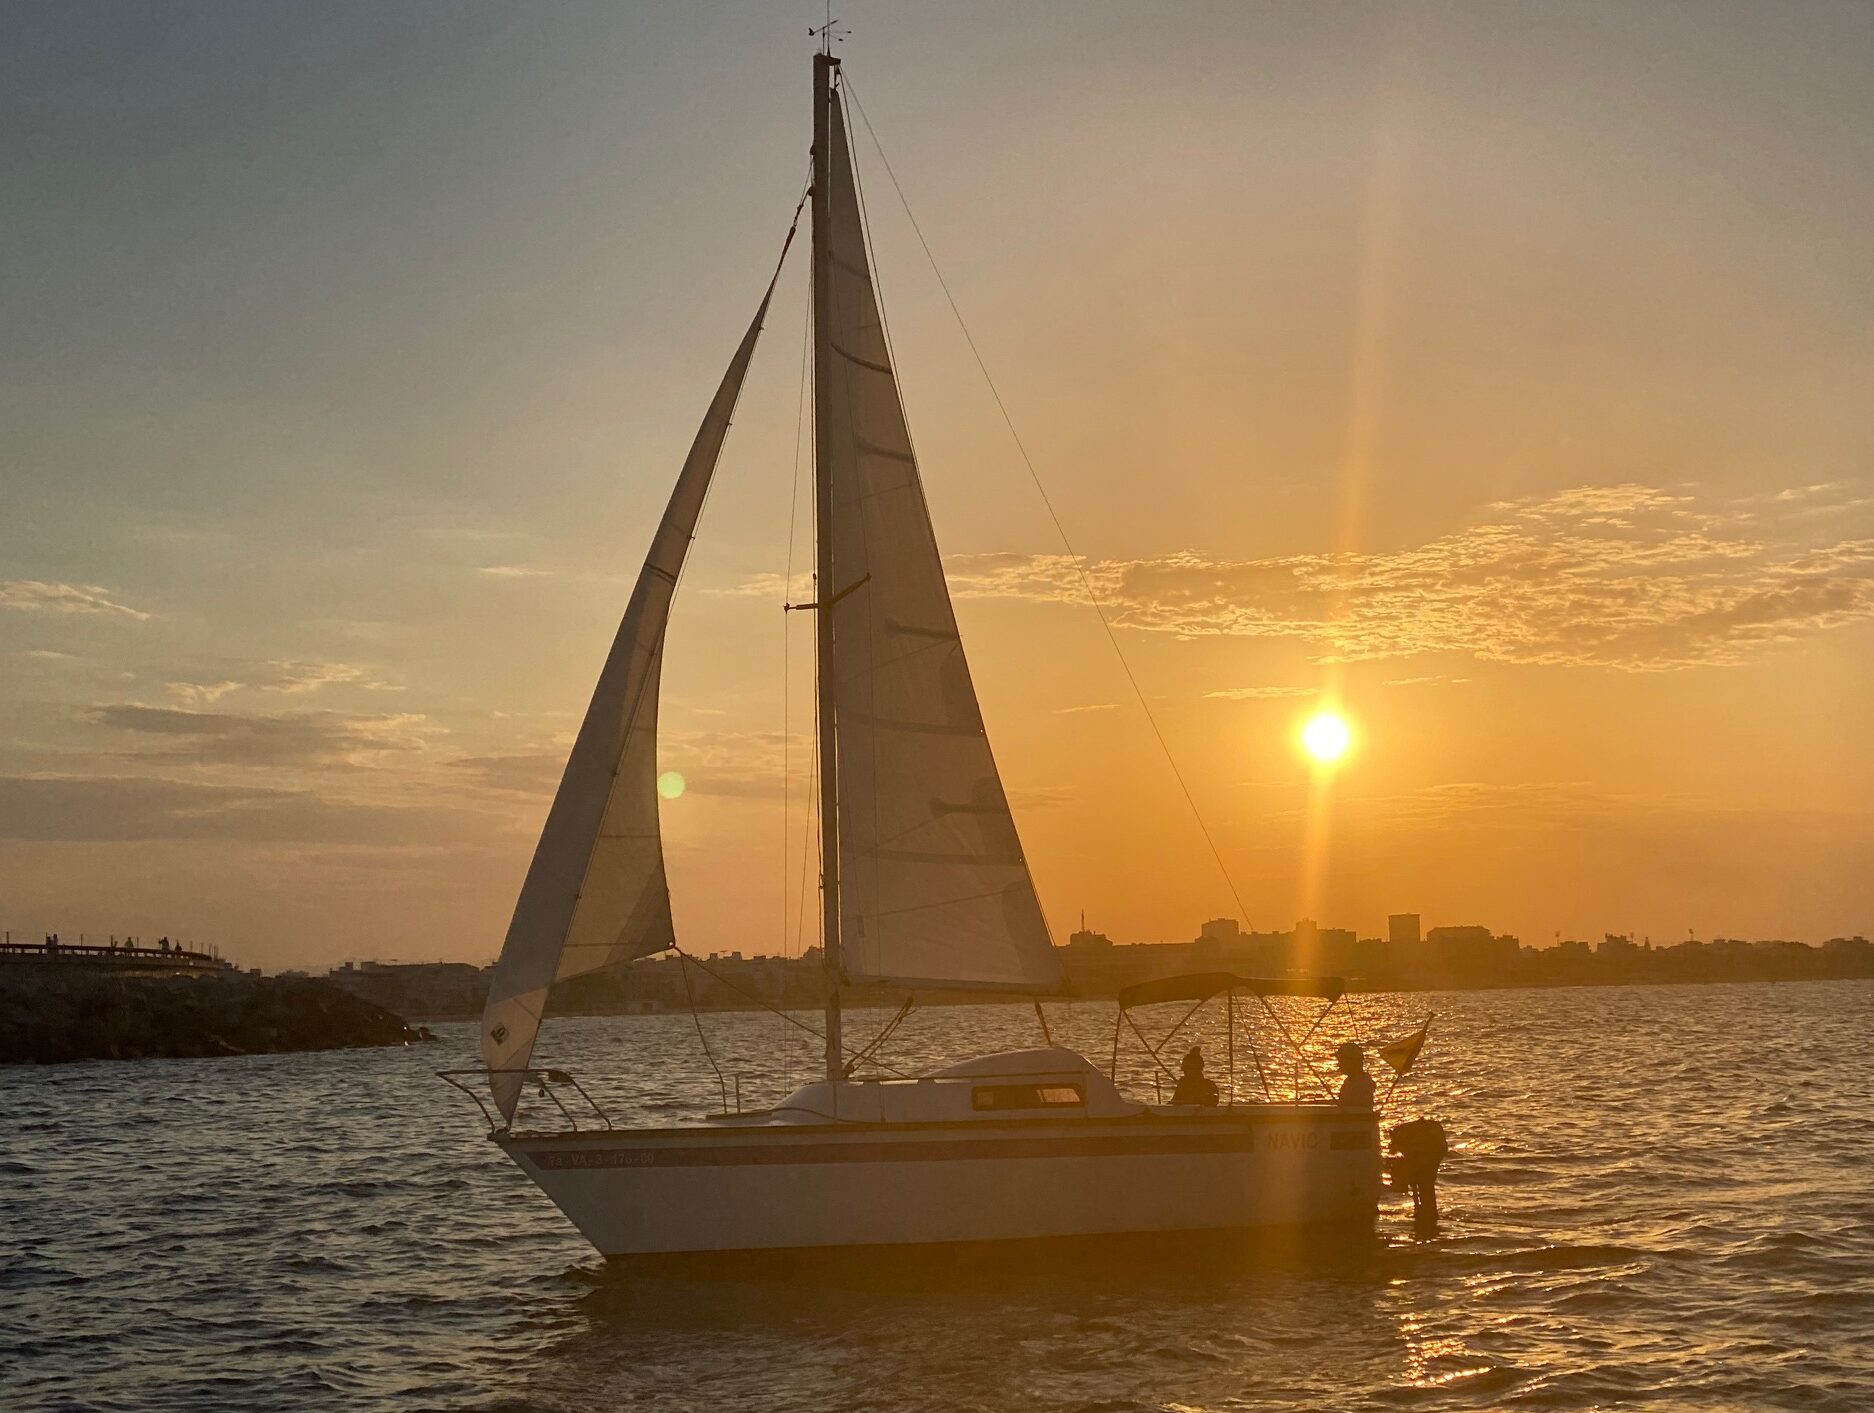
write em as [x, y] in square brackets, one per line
[756, 1187]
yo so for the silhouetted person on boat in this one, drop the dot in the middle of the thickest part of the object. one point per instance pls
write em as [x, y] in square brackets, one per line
[1417, 1148]
[1193, 1088]
[1356, 1090]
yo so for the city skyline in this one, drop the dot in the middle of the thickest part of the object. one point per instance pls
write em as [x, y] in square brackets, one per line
[1085, 932]
[354, 356]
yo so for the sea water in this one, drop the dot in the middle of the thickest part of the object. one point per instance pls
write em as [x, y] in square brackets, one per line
[1658, 1197]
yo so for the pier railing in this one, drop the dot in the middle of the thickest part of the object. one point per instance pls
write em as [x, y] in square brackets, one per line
[123, 955]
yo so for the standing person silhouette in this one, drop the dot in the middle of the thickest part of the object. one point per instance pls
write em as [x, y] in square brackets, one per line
[1193, 1087]
[1356, 1090]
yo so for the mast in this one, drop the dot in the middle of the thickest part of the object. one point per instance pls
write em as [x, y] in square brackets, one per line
[824, 589]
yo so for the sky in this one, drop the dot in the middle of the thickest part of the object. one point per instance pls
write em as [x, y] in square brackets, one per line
[1497, 373]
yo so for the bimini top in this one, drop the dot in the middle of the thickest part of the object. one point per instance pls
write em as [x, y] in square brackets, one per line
[1202, 985]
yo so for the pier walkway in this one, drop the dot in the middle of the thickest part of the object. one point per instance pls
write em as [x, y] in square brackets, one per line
[162, 958]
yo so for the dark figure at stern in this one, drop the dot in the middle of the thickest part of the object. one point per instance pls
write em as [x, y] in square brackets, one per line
[1193, 1088]
[1417, 1149]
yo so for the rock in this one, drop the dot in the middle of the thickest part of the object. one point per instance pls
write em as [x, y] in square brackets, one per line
[51, 1014]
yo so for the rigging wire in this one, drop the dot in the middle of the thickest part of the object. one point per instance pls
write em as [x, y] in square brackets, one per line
[768, 1005]
[683, 966]
[1086, 582]
[871, 1050]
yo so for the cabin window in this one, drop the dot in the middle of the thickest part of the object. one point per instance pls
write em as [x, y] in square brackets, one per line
[1027, 1096]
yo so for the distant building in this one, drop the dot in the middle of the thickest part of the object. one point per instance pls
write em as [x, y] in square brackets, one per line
[1469, 949]
[415, 988]
[1335, 950]
[1402, 929]
[1220, 929]
[1458, 936]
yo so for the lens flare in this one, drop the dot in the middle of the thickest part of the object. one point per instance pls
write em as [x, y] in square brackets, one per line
[1326, 737]
[670, 784]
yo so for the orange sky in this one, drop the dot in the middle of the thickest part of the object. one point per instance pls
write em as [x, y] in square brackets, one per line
[1502, 371]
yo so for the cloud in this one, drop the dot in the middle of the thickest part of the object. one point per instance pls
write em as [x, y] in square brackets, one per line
[516, 573]
[64, 598]
[201, 693]
[290, 678]
[119, 809]
[1627, 576]
[731, 784]
[736, 764]
[1244, 694]
[780, 587]
[314, 738]
[1087, 707]
[522, 774]
[1548, 800]
[1429, 681]
[310, 676]
[729, 764]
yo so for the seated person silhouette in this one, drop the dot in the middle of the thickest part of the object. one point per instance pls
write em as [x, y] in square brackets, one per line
[1356, 1090]
[1193, 1088]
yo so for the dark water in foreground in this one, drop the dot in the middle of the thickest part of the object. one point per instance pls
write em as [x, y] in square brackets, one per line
[1661, 1197]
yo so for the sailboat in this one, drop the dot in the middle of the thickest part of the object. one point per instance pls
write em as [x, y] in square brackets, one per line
[924, 885]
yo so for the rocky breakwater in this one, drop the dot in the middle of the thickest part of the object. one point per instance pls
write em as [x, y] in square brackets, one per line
[51, 1014]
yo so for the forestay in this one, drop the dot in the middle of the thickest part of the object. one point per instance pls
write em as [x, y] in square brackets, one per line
[934, 888]
[595, 892]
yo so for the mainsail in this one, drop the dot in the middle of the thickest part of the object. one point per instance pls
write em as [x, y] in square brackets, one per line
[595, 892]
[934, 889]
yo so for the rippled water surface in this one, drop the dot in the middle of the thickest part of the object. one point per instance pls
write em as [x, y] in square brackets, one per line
[1660, 1197]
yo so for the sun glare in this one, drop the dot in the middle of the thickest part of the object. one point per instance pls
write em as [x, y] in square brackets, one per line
[1326, 737]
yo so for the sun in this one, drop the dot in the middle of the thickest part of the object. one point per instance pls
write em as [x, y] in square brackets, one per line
[1326, 736]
